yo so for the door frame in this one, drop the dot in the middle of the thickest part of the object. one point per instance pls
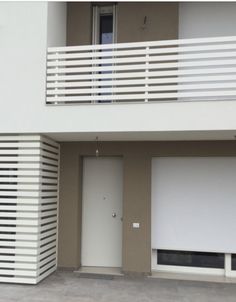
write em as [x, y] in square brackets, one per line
[99, 10]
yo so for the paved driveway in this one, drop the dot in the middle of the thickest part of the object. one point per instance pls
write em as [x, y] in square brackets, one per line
[68, 287]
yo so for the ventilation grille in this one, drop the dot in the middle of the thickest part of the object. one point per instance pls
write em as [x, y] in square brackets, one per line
[28, 208]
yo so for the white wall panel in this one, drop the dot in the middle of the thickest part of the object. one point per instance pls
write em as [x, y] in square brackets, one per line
[207, 19]
[194, 204]
[28, 207]
[56, 20]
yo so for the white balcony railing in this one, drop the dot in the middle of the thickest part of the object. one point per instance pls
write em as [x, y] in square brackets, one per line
[189, 69]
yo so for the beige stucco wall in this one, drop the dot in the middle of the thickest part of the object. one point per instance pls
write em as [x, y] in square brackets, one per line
[162, 22]
[137, 194]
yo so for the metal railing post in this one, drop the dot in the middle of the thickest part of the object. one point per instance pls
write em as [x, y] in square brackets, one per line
[147, 74]
[56, 82]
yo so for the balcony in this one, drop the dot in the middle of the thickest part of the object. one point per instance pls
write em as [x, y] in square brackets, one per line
[169, 70]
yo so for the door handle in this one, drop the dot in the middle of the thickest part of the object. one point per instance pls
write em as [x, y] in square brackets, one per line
[113, 215]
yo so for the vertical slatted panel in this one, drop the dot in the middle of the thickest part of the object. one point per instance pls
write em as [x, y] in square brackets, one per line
[28, 207]
[186, 69]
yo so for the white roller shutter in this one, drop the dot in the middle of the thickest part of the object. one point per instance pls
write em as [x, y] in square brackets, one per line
[194, 204]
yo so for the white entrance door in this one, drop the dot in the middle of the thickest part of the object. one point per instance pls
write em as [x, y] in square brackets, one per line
[102, 212]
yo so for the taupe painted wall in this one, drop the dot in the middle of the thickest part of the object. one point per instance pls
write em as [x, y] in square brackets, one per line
[79, 23]
[137, 194]
[162, 22]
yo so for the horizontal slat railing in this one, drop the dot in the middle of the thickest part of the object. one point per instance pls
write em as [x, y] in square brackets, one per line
[187, 69]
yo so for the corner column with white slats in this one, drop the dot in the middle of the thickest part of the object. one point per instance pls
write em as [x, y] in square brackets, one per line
[28, 207]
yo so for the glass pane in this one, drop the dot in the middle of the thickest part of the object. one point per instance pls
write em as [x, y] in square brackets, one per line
[192, 259]
[106, 37]
[233, 262]
[106, 29]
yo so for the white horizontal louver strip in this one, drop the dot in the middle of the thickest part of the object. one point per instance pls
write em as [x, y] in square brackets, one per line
[173, 70]
[28, 207]
[162, 43]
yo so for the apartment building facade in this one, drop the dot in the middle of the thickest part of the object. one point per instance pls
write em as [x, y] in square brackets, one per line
[117, 138]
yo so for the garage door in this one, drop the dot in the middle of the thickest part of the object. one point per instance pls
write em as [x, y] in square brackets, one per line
[194, 204]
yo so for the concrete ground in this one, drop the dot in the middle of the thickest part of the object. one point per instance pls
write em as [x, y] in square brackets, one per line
[69, 287]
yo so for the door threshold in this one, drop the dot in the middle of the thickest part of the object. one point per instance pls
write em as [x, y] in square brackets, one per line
[99, 272]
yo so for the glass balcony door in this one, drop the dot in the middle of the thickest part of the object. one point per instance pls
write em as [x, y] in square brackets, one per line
[104, 24]
[104, 32]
